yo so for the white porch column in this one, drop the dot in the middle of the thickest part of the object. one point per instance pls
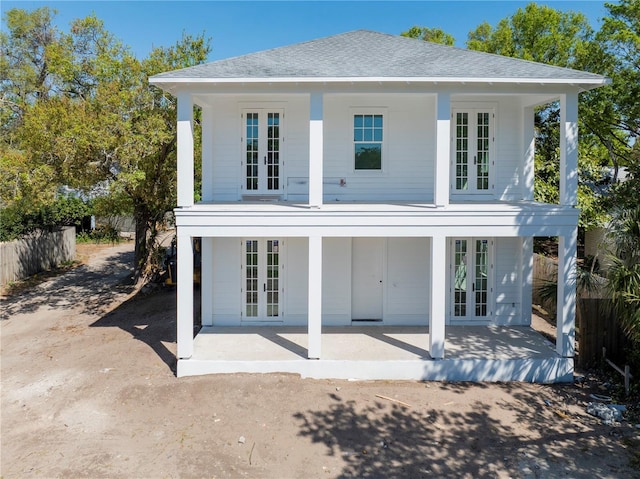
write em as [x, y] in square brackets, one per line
[437, 309]
[206, 280]
[315, 297]
[529, 143]
[566, 302]
[569, 149]
[185, 149]
[443, 146]
[315, 150]
[185, 296]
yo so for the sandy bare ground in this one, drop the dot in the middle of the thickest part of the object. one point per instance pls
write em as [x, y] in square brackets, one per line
[88, 390]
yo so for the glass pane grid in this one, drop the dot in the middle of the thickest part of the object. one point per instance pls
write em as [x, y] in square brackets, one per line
[273, 283]
[483, 141]
[462, 151]
[460, 281]
[273, 151]
[251, 143]
[251, 273]
[367, 137]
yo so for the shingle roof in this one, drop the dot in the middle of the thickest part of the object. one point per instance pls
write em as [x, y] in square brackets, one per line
[367, 54]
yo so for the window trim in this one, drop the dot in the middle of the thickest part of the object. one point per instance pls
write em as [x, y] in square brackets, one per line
[369, 110]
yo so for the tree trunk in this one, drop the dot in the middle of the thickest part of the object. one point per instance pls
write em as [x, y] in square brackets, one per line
[141, 252]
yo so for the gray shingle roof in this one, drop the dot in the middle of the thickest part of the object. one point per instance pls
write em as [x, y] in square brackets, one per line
[367, 54]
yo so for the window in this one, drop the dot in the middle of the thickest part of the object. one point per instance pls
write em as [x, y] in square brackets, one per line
[367, 141]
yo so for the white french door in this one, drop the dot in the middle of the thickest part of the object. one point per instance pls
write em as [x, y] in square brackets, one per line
[471, 282]
[262, 280]
[262, 146]
[472, 151]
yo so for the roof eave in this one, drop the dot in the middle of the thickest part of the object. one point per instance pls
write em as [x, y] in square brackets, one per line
[173, 84]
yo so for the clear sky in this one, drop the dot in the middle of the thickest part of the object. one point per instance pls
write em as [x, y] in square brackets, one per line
[239, 27]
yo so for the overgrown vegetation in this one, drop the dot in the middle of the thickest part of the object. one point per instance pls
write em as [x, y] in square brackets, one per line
[77, 111]
[17, 221]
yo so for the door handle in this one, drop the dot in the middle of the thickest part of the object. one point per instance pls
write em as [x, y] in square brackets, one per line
[264, 285]
[265, 160]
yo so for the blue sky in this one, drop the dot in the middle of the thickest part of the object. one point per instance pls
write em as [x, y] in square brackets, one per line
[239, 27]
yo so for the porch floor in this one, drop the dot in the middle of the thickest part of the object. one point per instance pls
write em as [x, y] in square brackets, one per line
[474, 353]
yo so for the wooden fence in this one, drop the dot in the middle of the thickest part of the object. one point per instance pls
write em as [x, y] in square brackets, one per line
[37, 252]
[596, 324]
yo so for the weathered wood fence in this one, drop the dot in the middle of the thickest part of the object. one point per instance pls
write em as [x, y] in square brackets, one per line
[596, 323]
[37, 252]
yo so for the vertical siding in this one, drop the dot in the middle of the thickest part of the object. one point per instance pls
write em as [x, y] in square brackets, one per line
[407, 281]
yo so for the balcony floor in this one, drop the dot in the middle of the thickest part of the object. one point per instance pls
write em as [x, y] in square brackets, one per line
[472, 353]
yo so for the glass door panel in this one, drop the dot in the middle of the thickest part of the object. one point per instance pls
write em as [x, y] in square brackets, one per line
[262, 282]
[470, 279]
[262, 159]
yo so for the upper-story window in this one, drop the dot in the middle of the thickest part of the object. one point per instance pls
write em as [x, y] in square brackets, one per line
[367, 141]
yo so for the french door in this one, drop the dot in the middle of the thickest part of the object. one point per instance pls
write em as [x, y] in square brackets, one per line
[471, 268]
[262, 282]
[262, 160]
[472, 161]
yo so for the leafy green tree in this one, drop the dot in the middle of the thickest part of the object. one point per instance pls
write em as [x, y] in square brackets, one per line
[434, 35]
[101, 123]
[542, 34]
[536, 33]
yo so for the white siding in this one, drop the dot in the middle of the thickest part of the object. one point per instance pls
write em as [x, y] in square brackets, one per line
[407, 281]
[508, 184]
[508, 281]
[227, 278]
[296, 275]
[227, 181]
[336, 281]
[409, 148]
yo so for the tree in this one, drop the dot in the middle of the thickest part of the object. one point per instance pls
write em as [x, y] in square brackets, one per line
[434, 35]
[542, 34]
[102, 123]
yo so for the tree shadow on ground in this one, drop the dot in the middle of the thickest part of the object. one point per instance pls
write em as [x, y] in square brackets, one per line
[150, 318]
[86, 289]
[391, 441]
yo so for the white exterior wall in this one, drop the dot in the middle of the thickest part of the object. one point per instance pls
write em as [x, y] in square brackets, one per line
[409, 146]
[509, 154]
[227, 175]
[508, 281]
[407, 281]
[405, 292]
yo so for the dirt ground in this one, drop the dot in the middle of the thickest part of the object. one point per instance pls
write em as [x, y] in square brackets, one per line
[89, 390]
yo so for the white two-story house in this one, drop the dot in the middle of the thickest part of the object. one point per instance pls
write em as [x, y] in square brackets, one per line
[367, 211]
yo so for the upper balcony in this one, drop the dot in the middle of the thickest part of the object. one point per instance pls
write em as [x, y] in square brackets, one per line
[428, 148]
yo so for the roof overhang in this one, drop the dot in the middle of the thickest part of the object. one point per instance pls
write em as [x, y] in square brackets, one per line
[173, 84]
